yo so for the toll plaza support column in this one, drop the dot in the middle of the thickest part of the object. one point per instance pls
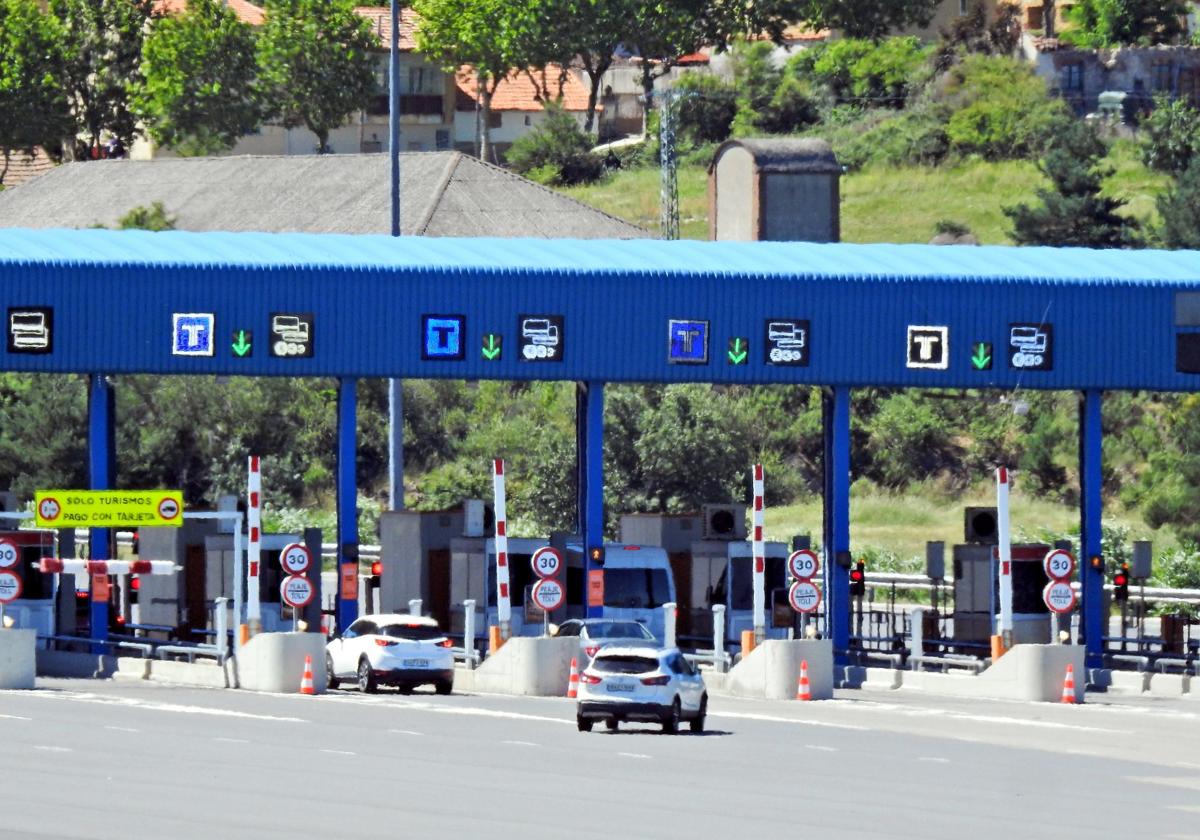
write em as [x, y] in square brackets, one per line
[101, 476]
[1091, 484]
[589, 419]
[346, 608]
[836, 411]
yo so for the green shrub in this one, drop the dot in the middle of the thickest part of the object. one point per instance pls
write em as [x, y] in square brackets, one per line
[863, 72]
[706, 108]
[557, 152]
[911, 137]
[1170, 136]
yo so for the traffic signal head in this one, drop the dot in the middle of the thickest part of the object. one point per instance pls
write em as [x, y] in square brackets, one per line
[377, 568]
[596, 555]
[1121, 583]
[858, 579]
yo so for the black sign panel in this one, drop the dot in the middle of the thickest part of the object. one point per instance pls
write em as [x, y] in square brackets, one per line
[928, 347]
[1187, 352]
[1031, 346]
[292, 335]
[540, 338]
[30, 329]
[787, 342]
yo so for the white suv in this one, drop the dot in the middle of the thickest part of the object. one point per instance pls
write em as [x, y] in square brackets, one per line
[396, 649]
[642, 684]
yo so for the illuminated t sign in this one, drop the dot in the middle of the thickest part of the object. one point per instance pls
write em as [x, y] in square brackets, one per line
[928, 347]
[442, 337]
[687, 342]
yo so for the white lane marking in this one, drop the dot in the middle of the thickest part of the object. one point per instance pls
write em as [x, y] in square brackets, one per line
[179, 708]
[520, 743]
[45, 748]
[934, 759]
[14, 717]
[493, 713]
[633, 755]
[122, 729]
[869, 705]
[339, 752]
[1187, 765]
[779, 719]
[224, 740]
[406, 732]
[820, 748]
[1167, 781]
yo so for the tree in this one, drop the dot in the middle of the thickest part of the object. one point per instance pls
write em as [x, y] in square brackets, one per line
[33, 105]
[1170, 136]
[873, 19]
[197, 96]
[154, 217]
[1114, 23]
[316, 64]
[1180, 210]
[102, 63]
[1073, 210]
[489, 35]
[557, 152]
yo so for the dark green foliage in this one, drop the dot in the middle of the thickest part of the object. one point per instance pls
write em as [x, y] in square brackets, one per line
[1170, 136]
[1179, 208]
[154, 217]
[1114, 23]
[36, 454]
[198, 96]
[914, 136]
[33, 104]
[556, 152]
[707, 106]
[1073, 210]
[864, 73]
[973, 34]
[871, 19]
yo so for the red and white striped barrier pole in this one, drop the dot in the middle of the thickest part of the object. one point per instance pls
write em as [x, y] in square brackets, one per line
[55, 565]
[759, 551]
[254, 549]
[1005, 569]
[503, 602]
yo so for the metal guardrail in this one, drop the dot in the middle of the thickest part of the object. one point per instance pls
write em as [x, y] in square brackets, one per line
[1160, 594]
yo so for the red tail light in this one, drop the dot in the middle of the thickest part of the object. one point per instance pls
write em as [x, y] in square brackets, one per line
[446, 643]
[385, 642]
[590, 650]
[81, 594]
[590, 679]
[663, 680]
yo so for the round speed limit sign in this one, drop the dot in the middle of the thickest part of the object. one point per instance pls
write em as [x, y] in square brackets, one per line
[804, 564]
[546, 562]
[295, 558]
[8, 554]
[1058, 564]
[1059, 596]
[804, 596]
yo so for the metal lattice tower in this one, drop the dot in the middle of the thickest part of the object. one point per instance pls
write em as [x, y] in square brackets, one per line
[669, 199]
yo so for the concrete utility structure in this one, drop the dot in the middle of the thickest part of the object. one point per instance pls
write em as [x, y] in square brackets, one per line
[633, 311]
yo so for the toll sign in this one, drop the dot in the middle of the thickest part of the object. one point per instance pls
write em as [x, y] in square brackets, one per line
[804, 596]
[108, 508]
[548, 594]
[1059, 596]
[296, 591]
[10, 586]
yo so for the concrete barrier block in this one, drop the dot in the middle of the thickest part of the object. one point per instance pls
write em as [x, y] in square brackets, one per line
[61, 663]
[537, 667]
[203, 674]
[18, 658]
[132, 668]
[275, 662]
[1026, 672]
[772, 670]
[1128, 682]
[1167, 685]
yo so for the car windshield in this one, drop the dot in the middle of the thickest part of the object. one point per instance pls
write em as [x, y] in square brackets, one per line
[411, 632]
[625, 664]
[636, 588]
[618, 630]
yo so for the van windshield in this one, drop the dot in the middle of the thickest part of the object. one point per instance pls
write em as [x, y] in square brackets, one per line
[636, 588]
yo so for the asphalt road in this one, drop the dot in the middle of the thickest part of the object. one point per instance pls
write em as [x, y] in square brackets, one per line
[127, 760]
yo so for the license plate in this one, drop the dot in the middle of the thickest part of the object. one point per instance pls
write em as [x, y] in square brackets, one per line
[615, 687]
[416, 663]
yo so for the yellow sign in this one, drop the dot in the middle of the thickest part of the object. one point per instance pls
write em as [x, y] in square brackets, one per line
[108, 508]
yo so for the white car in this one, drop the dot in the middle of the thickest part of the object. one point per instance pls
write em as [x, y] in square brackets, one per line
[595, 633]
[641, 684]
[391, 649]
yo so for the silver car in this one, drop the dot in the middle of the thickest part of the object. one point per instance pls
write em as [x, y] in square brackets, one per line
[595, 633]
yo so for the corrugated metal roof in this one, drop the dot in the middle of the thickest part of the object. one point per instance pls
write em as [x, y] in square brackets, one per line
[579, 257]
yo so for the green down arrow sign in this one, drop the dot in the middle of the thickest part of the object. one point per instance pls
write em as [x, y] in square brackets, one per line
[243, 343]
[739, 350]
[492, 345]
[981, 357]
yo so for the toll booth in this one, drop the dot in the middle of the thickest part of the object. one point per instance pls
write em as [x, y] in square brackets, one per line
[38, 607]
[473, 577]
[977, 594]
[415, 551]
[676, 534]
[276, 615]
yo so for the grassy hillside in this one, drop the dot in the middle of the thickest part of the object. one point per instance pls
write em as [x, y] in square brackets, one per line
[884, 204]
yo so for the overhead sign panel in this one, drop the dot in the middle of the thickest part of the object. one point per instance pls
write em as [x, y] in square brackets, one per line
[787, 342]
[687, 342]
[541, 338]
[192, 333]
[442, 337]
[30, 329]
[292, 335]
[928, 347]
[107, 508]
[1031, 346]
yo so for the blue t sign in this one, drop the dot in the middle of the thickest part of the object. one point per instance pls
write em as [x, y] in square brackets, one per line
[192, 334]
[442, 337]
[687, 342]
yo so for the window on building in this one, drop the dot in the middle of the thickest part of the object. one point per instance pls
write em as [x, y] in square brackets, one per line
[495, 119]
[1160, 76]
[1189, 86]
[962, 7]
[1072, 77]
[528, 120]
[442, 139]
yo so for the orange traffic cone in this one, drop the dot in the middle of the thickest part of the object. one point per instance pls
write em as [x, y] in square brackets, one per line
[573, 682]
[1068, 695]
[803, 690]
[306, 683]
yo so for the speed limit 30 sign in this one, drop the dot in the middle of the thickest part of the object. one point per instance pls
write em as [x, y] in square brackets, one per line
[803, 564]
[1058, 564]
[546, 562]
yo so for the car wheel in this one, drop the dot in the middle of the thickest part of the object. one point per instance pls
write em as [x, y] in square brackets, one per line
[612, 724]
[671, 721]
[330, 680]
[444, 687]
[583, 724]
[366, 679]
[697, 723]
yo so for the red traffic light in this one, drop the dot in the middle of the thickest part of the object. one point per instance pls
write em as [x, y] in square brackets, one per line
[135, 583]
[1120, 579]
[857, 575]
[377, 568]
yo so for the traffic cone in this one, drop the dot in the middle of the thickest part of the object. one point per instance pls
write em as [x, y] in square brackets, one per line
[306, 683]
[573, 682]
[803, 690]
[1068, 695]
